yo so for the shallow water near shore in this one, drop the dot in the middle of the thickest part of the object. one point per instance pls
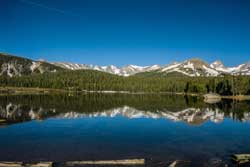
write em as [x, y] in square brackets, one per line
[162, 128]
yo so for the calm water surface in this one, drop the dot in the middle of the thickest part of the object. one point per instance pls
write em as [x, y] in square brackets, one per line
[95, 126]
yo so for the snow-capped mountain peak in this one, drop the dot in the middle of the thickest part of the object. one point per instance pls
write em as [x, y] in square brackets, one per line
[242, 69]
[122, 71]
[17, 66]
[217, 64]
[192, 67]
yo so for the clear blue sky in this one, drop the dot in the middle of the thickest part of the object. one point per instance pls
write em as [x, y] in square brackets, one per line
[121, 32]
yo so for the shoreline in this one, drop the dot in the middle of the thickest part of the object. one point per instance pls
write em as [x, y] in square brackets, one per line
[237, 97]
[124, 162]
[25, 90]
[19, 90]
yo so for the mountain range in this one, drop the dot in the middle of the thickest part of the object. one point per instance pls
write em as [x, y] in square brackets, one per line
[16, 66]
[193, 67]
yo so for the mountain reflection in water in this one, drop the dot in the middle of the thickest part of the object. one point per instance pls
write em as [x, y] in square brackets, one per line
[20, 108]
[161, 128]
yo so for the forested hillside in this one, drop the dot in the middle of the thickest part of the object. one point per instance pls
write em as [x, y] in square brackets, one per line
[95, 80]
[22, 72]
[17, 66]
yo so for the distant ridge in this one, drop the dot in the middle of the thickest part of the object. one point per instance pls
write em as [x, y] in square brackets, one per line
[11, 65]
[192, 67]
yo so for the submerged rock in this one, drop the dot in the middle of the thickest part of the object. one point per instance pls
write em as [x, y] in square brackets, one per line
[179, 163]
[216, 162]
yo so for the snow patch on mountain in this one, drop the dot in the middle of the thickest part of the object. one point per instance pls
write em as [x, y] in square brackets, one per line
[192, 67]
[34, 66]
[210, 71]
[189, 65]
[170, 67]
[217, 64]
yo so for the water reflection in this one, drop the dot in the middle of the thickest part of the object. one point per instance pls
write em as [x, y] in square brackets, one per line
[191, 110]
[105, 126]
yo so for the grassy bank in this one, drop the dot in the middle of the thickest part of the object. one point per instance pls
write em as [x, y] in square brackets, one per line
[17, 90]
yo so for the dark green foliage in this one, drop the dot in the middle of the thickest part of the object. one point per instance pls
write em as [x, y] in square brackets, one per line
[98, 81]
[91, 80]
[224, 88]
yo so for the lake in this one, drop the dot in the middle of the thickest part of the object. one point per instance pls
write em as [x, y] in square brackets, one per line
[162, 128]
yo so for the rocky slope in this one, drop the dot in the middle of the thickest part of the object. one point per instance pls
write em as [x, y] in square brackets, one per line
[18, 66]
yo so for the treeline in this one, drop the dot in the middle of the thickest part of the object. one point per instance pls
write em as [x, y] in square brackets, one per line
[98, 81]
